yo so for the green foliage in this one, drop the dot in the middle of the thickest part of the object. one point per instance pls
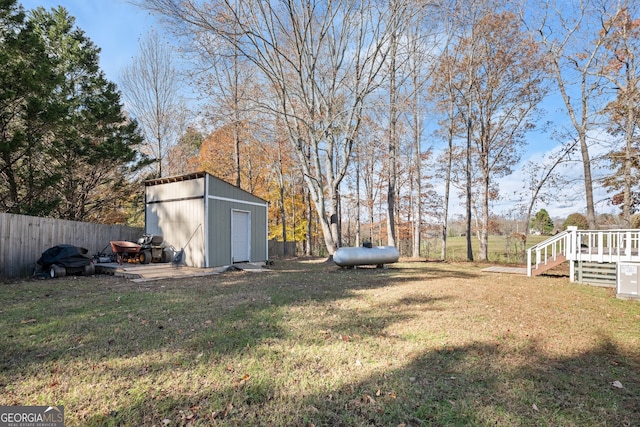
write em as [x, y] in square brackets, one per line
[27, 111]
[542, 222]
[191, 140]
[180, 157]
[69, 150]
[576, 219]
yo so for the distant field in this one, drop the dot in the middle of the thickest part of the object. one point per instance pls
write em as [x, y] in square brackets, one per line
[502, 249]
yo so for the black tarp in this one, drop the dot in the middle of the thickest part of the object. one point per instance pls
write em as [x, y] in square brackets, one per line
[68, 256]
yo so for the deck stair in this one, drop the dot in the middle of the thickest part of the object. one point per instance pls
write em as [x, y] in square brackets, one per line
[549, 263]
[548, 254]
[592, 254]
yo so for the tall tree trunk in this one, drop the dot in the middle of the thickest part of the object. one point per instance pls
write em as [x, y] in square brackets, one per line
[588, 180]
[630, 125]
[468, 201]
[393, 144]
[308, 249]
[630, 96]
[281, 192]
[447, 190]
[236, 120]
[484, 229]
[417, 205]
[358, 226]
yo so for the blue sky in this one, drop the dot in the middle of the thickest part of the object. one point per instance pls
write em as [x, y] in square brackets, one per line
[115, 26]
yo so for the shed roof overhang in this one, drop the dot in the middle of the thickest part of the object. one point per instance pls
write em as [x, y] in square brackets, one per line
[177, 178]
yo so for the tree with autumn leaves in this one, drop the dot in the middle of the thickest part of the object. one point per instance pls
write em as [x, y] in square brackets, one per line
[494, 78]
[622, 69]
[267, 169]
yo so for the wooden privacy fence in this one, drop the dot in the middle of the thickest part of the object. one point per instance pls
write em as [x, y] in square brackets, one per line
[277, 249]
[24, 238]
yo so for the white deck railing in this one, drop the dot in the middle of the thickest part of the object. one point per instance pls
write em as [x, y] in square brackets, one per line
[586, 245]
[606, 246]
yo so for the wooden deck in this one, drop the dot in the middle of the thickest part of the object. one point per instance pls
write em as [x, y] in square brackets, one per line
[154, 271]
[580, 246]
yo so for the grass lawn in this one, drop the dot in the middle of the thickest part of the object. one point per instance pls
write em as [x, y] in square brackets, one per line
[310, 344]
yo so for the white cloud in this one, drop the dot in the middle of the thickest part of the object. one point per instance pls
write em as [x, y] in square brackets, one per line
[569, 198]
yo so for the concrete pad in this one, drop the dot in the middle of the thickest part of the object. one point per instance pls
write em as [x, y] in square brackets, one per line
[156, 271]
[250, 266]
[510, 270]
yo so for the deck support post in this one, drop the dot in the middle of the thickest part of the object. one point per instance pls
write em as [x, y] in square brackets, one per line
[572, 271]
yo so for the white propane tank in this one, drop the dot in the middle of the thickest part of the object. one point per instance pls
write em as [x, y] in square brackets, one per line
[376, 255]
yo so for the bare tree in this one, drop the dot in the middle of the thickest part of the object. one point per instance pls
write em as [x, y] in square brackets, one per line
[322, 60]
[622, 68]
[542, 182]
[411, 27]
[369, 166]
[398, 16]
[421, 62]
[152, 92]
[448, 88]
[229, 82]
[442, 92]
[499, 82]
[574, 34]
[443, 89]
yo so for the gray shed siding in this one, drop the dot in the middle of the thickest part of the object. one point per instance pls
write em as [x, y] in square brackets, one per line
[178, 190]
[219, 230]
[223, 198]
[202, 205]
[176, 211]
[223, 189]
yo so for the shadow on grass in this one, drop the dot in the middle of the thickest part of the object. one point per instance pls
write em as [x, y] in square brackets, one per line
[409, 271]
[476, 384]
[106, 317]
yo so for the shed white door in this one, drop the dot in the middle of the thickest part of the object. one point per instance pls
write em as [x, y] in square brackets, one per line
[240, 236]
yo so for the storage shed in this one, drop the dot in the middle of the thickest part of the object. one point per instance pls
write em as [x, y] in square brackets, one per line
[216, 223]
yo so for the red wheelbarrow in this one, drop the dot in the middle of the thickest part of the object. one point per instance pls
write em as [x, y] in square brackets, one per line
[148, 249]
[127, 251]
